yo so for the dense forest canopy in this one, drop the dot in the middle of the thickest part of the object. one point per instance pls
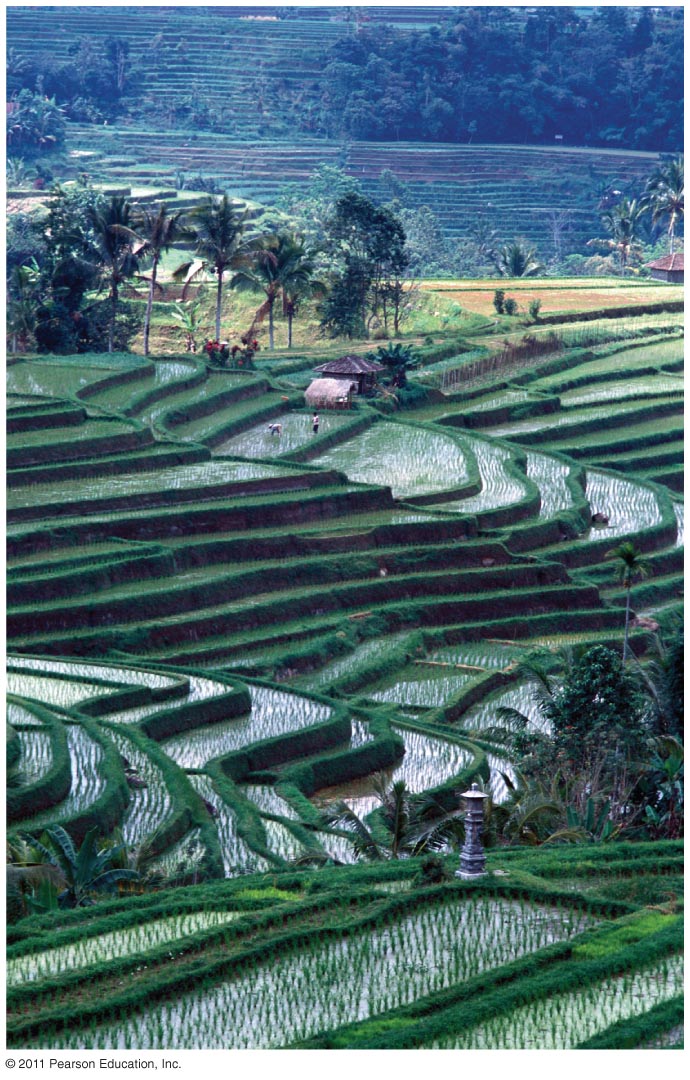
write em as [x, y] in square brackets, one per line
[613, 77]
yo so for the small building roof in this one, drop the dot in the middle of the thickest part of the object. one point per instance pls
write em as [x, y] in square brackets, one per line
[350, 365]
[668, 262]
[324, 392]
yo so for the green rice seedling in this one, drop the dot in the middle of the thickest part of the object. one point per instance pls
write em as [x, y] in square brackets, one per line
[496, 401]
[291, 996]
[238, 857]
[499, 486]
[550, 476]
[268, 801]
[427, 763]
[131, 941]
[296, 430]
[410, 460]
[629, 506]
[174, 478]
[679, 511]
[487, 656]
[36, 755]
[519, 696]
[19, 714]
[153, 679]
[353, 661]
[273, 713]
[200, 689]
[183, 858]
[150, 802]
[649, 386]
[281, 842]
[427, 688]
[562, 1021]
[87, 783]
[61, 692]
[55, 378]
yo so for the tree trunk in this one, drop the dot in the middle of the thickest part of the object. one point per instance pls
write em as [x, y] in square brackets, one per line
[111, 329]
[627, 623]
[289, 320]
[271, 301]
[149, 306]
[219, 302]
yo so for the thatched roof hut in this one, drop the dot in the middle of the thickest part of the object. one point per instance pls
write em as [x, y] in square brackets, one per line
[328, 394]
[356, 370]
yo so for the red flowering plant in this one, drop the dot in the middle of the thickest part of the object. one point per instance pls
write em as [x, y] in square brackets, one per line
[217, 352]
[243, 355]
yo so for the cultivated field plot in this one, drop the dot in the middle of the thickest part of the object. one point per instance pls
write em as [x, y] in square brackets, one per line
[296, 432]
[290, 998]
[408, 459]
[556, 295]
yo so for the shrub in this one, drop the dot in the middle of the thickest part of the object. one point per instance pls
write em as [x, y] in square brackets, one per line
[499, 301]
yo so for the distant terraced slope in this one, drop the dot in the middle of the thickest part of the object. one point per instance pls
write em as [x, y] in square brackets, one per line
[261, 76]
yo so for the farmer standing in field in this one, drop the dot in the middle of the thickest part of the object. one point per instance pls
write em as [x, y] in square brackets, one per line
[315, 423]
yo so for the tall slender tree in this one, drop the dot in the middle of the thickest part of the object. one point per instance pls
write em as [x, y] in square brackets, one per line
[223, 243]
[113, 247]
[155, 233]
[284, 270]
[665, 196]
[623, 223]
[631, 566]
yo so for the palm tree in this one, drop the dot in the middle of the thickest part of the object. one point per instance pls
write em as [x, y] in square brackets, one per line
[631, 565]
[284, 268]
[408, 824]
[622, 223]
[155, 233]
[517, 259]
[113, 248]
[222, 244]
[665, 195]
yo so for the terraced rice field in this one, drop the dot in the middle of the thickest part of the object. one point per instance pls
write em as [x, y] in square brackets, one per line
[88, 783]
[408, 459]
[563, 1021]
[364, 626]
[296, 432]
[291, 997]
[273, 713]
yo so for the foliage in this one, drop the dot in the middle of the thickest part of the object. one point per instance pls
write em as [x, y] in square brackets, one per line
[623, 223]
[282, 268]
[630, 565]
[154, 232]
[35, 124]
[665, 195]
[112, 249]
[583, 771]
[404, 825]
[588, 77]
[223, 242]
[368, 242]
[87, 871]
[516, 260]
